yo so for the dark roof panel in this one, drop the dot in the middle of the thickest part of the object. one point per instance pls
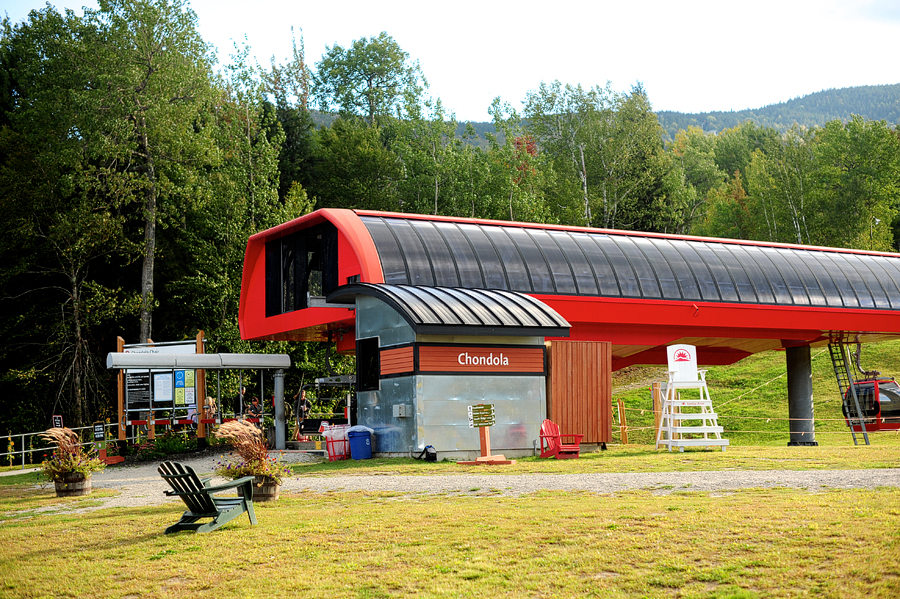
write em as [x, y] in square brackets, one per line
[448, 311]
[553, 261]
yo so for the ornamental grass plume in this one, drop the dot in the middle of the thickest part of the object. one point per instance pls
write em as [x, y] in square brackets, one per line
[246, 439]
[69, 458]
[250, 455]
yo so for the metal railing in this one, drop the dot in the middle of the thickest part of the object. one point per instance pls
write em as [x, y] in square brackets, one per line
[25, 443]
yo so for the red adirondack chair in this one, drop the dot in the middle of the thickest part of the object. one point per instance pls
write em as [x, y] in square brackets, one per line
[552, 445]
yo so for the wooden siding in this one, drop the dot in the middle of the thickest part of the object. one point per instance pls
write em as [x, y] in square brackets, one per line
[579, 388]
[397, 361]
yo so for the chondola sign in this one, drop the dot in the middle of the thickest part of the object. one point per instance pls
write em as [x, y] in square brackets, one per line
[465, 359]
[481, 359]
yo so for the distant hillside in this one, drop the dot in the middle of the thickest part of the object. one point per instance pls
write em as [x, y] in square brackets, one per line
[874, 102]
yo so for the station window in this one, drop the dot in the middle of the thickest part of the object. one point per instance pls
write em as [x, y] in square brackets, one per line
[368, 364]
[300, 267]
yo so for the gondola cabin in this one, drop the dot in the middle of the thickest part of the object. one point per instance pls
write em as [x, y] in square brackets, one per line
[879, 401]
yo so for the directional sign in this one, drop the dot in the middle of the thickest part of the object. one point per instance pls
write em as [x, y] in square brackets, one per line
[482, 415]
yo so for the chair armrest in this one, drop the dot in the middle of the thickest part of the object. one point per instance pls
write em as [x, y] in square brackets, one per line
[578, 437]
[230, 485]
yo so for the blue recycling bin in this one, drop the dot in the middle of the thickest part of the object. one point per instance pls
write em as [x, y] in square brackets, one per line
[360, 444]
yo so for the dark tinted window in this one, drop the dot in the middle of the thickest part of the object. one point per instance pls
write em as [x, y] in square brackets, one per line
[510, 259]
[871, 282]
[886, 276]
[791, 278]
[417, 263]
[738, 275]
[839, 277]
[368, 364]
[708, 290]
[668, 286]
[392, 263]
[441, 258]
[772, 274]
[856, 282]
[643, 270]
[559, 266]
[494, 277]
[624, 274]
[720, 274]
[826, 283]
[466, 263]
[759, 281]
[816, 297]
[584, 274]
[683, 275]
[541, 282]
[606, 278]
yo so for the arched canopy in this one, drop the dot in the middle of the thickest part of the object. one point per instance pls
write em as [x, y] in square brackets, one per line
[628, 265]
[641, 291]
[445, 311]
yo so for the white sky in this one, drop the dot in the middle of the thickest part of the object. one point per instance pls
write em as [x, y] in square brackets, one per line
[690, 55]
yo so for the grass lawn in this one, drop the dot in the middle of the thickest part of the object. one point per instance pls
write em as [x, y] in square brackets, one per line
[750, 543]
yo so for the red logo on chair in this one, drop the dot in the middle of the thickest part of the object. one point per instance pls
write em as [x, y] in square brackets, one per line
[682, 355]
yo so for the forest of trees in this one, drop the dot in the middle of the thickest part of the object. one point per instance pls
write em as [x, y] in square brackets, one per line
[133, 168]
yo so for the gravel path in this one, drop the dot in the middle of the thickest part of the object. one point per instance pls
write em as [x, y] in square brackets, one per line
[141, 485]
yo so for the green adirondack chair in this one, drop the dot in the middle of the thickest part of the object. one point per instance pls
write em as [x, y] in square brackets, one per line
[201, 501]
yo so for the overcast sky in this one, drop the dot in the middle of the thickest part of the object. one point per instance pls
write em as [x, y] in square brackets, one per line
[691, 56]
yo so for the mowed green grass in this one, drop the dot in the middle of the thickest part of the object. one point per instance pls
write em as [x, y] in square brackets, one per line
[480, 543]
[750, 398]
[753, 543]
[650, 543]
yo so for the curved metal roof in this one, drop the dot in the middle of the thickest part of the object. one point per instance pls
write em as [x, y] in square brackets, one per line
[554, 261]
[444, 311]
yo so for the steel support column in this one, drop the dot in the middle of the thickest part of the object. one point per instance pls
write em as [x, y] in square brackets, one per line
[800, 396]
[280, 439]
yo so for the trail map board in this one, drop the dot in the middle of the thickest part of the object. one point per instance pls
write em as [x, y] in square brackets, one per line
[482, 415]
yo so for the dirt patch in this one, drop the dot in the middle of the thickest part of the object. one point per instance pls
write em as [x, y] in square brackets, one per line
[637, 377]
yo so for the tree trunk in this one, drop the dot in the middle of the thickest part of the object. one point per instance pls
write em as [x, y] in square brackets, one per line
[584, 188]
[77, 375]
[149, 240]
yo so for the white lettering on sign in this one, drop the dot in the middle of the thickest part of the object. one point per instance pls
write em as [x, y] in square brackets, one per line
[489, 360]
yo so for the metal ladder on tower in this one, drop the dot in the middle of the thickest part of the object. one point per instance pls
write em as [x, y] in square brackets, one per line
[844, 376]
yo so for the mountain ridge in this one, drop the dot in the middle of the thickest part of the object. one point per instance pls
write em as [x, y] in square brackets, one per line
[873, 102]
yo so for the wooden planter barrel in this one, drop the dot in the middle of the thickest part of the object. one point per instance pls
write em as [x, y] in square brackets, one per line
[264, 488]
[73, 485]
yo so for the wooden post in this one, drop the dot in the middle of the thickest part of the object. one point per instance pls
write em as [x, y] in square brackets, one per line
[657, 409]
[623, 425]
[120, 384]
[201, 391]
[485, 433]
